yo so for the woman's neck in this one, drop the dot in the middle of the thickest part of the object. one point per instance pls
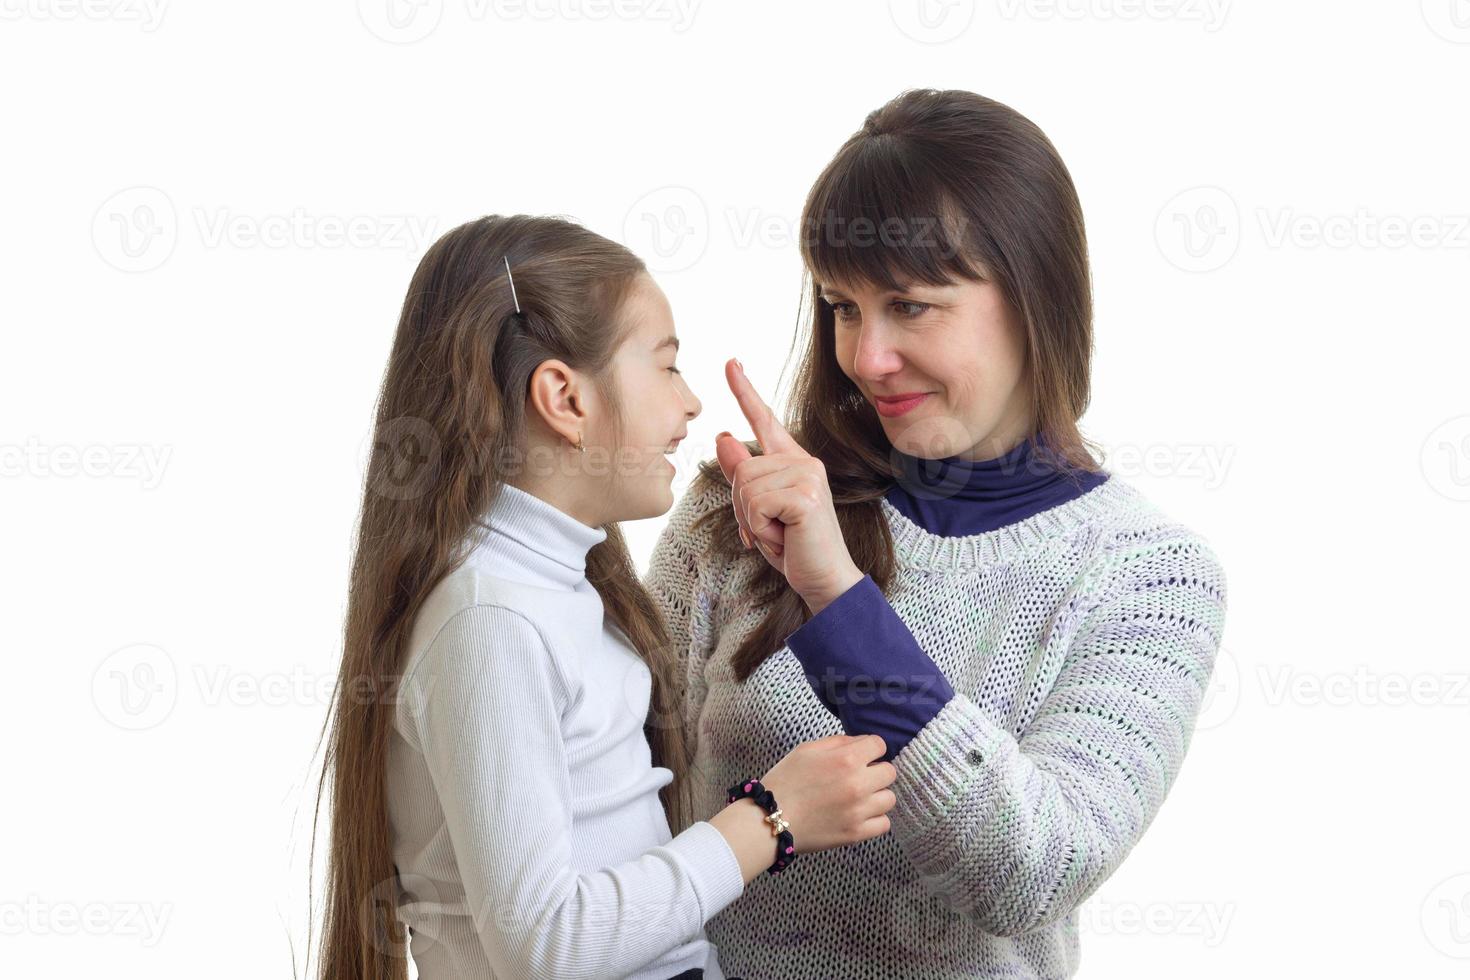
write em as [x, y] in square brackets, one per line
[953, 496]
[1019, 469]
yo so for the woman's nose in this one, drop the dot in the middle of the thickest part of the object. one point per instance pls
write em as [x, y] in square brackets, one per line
[875, 357]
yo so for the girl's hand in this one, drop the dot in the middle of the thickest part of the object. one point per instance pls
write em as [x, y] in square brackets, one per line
[783, 502]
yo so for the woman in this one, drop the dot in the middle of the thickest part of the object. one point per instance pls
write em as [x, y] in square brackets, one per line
[503, 780]
[932, 554]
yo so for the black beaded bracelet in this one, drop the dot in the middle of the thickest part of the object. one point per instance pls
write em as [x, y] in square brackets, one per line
[785, 843]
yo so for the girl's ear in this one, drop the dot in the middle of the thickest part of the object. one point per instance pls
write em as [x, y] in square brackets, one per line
[559, 397]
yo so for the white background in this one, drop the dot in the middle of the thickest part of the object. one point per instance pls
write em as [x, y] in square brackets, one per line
[1276, 205]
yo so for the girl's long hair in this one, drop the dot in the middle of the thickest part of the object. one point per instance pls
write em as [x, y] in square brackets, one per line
[450, 412]
[936, 186]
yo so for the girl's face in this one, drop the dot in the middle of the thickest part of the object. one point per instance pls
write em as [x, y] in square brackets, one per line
[961, 345]
[658, 406]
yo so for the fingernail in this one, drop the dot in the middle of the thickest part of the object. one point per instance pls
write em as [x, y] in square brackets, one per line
[717, 438]
[739, 365]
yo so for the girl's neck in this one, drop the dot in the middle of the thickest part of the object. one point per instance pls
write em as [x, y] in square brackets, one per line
[563, 494]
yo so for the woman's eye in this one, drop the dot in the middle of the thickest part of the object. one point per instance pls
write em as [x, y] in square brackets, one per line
[676, 370]
[906, 308]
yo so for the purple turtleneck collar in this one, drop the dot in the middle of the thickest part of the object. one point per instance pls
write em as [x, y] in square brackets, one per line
[954, 497]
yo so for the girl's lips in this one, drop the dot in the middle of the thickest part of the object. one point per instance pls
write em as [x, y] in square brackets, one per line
[894, 409]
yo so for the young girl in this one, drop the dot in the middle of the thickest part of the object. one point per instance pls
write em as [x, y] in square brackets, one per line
[506, 757]
[931, 554]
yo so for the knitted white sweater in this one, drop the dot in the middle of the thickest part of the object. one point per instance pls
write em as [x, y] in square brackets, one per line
[1079, 643]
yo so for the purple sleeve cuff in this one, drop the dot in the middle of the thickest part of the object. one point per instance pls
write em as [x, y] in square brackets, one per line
[867, 668]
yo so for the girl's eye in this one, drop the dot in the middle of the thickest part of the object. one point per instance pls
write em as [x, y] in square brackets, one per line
[914, 308]
[676, 370]
[843, 311]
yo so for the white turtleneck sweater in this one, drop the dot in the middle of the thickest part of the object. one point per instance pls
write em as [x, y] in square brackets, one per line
[526, 826]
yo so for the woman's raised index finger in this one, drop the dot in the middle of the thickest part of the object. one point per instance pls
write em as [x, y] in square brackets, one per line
[769, 431]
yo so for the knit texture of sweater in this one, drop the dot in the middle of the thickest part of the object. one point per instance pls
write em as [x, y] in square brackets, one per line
[1079, 642]
[857, 647]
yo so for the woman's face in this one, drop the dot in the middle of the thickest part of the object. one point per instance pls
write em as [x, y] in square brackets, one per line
[961, 345]
[658, 406]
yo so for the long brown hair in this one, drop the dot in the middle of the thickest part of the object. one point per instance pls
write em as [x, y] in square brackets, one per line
[935, 187]
[451, 412]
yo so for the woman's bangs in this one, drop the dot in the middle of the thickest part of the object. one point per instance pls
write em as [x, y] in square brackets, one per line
[873, 218]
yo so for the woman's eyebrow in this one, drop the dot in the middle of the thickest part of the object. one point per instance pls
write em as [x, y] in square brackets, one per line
[828, 291]
[669, 341]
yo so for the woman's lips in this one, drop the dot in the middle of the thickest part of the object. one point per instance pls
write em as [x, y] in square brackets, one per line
[893, 409]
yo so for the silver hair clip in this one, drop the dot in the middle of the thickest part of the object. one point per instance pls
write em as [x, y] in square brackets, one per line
[512, 284]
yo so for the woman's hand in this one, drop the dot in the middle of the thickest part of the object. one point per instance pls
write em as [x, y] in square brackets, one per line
[833, 791]
[783, 502]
